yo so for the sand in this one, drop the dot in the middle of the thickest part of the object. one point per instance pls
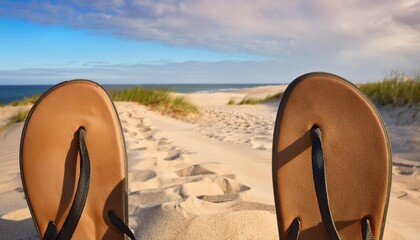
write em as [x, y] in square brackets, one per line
[210, 178]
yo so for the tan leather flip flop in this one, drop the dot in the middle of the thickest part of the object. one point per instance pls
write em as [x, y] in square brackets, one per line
[328, 133]
[73, 164]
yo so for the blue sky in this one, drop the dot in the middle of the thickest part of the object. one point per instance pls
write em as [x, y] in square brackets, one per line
[198, 41]
[36, 46]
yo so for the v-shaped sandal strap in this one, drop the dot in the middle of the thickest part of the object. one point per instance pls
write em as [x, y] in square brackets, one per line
[318, 172]
[79, 201]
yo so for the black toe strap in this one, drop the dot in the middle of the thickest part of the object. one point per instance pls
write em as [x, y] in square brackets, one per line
[51, 232]
[318, 172]
[294, 230]
[79, 200]
[366, 230]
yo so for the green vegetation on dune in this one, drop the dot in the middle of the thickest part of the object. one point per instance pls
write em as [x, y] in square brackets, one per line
[231, 102]
[26, 101]
[19, 117]
[253, 101]
[250, 101]
[397, 89]
[161, 100]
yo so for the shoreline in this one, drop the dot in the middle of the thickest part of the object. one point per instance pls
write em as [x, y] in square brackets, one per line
[28, 91]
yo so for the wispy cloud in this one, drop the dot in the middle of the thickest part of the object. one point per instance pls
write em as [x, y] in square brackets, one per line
[344, 35]
[267, 27]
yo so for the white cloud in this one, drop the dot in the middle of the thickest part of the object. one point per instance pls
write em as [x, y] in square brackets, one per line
[382, 33]
[409, 15]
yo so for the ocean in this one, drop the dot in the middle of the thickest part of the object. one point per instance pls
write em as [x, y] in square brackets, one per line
[10, 93]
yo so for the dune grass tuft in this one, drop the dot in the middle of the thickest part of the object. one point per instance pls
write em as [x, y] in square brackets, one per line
[19, 117]
[161, 100]
[250, 101]
[253, 101]
[26, 101]
[231, 102]
[397, 89]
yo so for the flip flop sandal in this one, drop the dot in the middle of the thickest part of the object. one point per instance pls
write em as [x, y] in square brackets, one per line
[73, 164]
[327, 131]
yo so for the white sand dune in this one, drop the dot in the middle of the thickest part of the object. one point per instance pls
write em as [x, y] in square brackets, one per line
[211, 178]
[15, 220]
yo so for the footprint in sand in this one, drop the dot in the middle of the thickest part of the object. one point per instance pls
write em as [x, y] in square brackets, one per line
[141, 175]
[405, 171]
[229, 186]
[139, 149]
[152, 197]
[173, 155]
[398, 164]
[194, 170]
[142, 180]
[209, 186]
[164, 148]
[200, 188]
[149, 135]
[143, 128]
[164, 145]
[132, 134]
[163, 141]
[231, 191]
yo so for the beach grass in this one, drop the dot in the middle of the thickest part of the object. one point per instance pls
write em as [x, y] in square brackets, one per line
[26, 101]
[162, 100]
[19, 117]
[253, 101]
[250, 101]
[231, 102]
[397, 89]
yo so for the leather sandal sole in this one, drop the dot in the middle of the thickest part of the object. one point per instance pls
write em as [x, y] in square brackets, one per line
[357, 158]
[49, 159]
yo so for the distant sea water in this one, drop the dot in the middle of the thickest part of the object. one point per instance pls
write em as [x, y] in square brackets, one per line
[10, 93]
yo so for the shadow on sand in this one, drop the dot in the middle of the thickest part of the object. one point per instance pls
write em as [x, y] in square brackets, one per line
[23, 229]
